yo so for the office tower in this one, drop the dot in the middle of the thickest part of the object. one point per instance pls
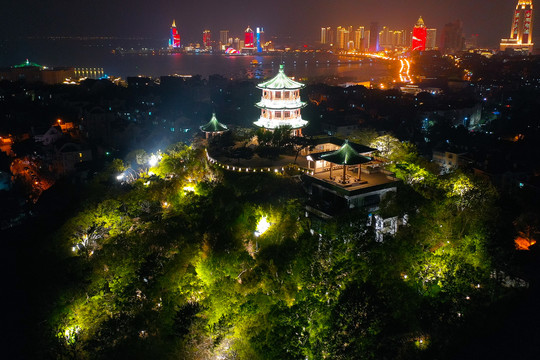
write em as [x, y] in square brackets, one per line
[471, 42]
[521, 30]
[385, 41]
[419, 36]
[398, 38]
[249, 38]
[452, 37]
[331, 36]
[206, 38]
[325, 35]
[358, 38]
[224, 37]
[374, 37]
[431, 39]
[260, 39]
[342, 37]
[174, 39]
[366, 40]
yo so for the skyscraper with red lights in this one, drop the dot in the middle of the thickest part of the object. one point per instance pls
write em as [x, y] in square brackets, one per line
[521, 30]
[206, 38]
[419, 36]
[174, 40]
[249, 38]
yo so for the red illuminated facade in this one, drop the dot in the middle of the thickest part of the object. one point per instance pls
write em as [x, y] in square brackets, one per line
[419, 36]
[174, 41]
[249, 38]
[206, 38]
[522, 28]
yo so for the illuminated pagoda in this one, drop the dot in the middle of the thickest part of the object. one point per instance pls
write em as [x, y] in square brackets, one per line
[280, 104]
[522, 28]
[213, 127]
[174, 40]
[419, 36]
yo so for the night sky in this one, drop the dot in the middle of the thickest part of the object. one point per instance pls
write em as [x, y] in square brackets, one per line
[489, 18]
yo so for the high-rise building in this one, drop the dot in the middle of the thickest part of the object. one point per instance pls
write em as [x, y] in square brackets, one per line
[431, 39]
[249, 38]
[367, 39]
[325, 32]
[280, 104]
[471, 42]
[521, 30]
[398, 38]
[237, 44]
[385, 40]
[174, 39]
[419, 36]
[206, 38]
[374, 37]
[342, 37]
[224, 37]
[358, 39]
[260, 39]
[452, 37]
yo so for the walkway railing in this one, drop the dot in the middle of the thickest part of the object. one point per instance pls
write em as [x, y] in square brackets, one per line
[251, 169]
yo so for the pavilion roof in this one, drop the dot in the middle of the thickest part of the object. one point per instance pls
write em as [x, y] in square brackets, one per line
[280, 81]
[27, 63]
[214, 125]
[346, 155]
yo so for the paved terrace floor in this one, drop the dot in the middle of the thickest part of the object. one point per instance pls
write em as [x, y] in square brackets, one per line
[366, 180]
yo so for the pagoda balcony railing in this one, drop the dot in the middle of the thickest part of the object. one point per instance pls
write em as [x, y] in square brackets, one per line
[280, 104]
[294, 123]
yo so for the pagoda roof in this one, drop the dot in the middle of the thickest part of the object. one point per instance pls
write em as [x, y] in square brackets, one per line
[214, 125]
[361, 149]
[346, 155]
[27, 63]
[280, 81]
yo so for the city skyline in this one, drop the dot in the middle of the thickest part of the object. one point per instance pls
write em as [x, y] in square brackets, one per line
[302, 19]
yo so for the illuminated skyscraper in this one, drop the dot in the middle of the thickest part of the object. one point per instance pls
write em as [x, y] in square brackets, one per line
[359, 39]
[249, 38]
[431, 39]
[374, 37]
[206, 38]
[521, 30]
[367, 38]
[325, 32]
[385, 39]
[419, 36]
[174, 40]
[224, 37]
[342, 37]
[260, 39]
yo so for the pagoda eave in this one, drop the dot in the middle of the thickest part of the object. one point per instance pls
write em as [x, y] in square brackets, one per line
[275, 124]
[280, 88]
[281, 107]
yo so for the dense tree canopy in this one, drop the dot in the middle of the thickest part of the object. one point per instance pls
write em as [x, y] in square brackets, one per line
[171, 266]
